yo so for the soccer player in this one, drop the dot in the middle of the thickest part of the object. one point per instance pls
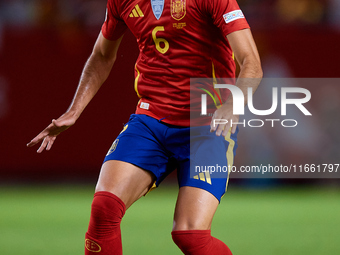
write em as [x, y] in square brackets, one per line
[178, 40]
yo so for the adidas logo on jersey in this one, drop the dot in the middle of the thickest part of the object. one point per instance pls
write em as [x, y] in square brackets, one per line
[205, 176]
[136, 12]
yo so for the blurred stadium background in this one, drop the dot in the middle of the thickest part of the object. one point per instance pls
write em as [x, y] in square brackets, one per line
[45, 199]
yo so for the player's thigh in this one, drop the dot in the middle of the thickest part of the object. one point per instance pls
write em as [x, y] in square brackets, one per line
[195, 209]
[125, 180]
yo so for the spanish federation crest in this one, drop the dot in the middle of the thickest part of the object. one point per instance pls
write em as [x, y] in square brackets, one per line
[113, 147]
[178, 9]
[157, 7]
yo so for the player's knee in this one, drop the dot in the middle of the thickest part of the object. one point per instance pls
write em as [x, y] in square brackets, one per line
[107, 211]
[190, 223]
[103, 233]
[183, 240]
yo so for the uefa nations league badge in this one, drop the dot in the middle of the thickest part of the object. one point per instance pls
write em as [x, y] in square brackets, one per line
[157, 8]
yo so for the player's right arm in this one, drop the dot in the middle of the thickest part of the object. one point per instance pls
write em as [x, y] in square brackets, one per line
[95, 72]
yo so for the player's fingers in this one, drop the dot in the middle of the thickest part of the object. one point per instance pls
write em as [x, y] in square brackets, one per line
[36, 140]
[50, 143]
[220, 128]
[30, 144]
[43, 145]
[213, 124]
[226, 130]
[40, 136]
[212, 127]
[233, 130]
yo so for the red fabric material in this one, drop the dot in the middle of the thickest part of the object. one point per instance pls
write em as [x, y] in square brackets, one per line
[103, 236]
[199, 242]
[186, 44]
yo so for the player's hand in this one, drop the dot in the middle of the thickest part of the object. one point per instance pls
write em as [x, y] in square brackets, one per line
[49, 134]
[221, 120]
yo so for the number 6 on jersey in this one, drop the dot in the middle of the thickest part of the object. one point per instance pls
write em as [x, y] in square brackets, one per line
[158, 41]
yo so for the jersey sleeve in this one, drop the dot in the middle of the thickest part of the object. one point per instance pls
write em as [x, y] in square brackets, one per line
[114, 27]
[227, 15]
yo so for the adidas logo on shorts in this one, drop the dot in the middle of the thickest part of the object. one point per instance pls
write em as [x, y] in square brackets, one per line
[205, 176]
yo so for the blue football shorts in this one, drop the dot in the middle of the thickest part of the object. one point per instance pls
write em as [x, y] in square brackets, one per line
[202, 159]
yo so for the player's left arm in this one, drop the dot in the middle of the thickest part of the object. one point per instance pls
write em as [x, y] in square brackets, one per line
[95, 72]
[246, 54]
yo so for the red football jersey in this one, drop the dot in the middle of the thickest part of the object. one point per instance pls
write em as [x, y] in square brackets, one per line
[178, 40]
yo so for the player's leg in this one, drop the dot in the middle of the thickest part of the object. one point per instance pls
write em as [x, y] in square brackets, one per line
[194, 213]
[195, 209]
[119, 185]
[125, 180]
[202, 184]
[122, 181]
